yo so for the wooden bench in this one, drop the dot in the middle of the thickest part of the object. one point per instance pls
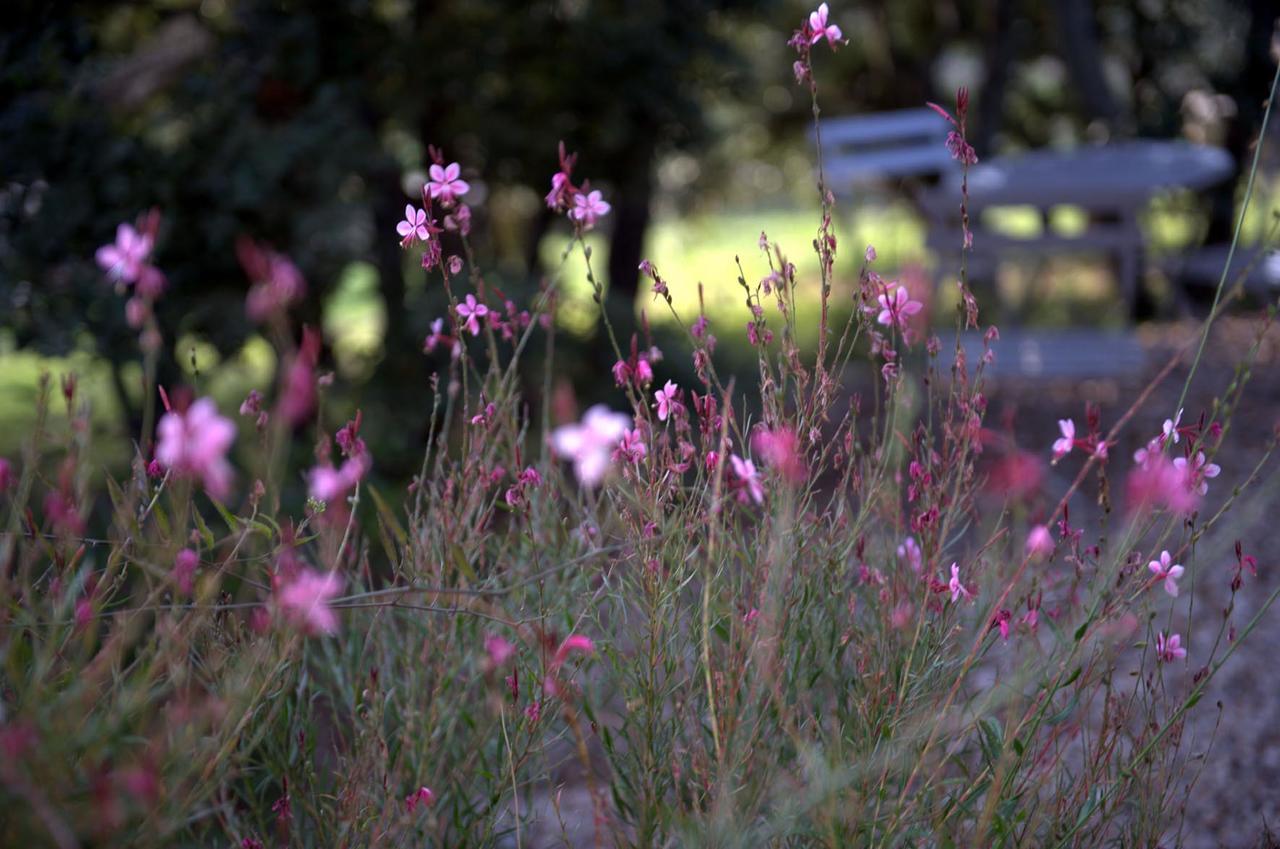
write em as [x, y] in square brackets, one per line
[1113, 183]
[1070, 353]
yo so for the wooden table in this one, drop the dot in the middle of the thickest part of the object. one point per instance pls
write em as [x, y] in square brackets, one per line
[1114, 183]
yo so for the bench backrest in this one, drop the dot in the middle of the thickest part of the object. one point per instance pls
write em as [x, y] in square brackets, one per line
[866, 148]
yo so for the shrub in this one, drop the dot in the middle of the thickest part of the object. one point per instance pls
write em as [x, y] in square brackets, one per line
[729, 615]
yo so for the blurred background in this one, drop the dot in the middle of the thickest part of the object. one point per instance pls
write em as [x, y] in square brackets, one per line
[306, 125]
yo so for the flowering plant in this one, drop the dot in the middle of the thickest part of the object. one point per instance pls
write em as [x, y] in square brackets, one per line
[770, 612]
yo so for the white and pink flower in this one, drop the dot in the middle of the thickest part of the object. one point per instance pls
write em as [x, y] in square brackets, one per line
[589, 444]
[446, 184]
[1166, 570]
[588, 208]
[195, 443]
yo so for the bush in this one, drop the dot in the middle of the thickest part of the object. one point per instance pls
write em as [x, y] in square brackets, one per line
[728, 616]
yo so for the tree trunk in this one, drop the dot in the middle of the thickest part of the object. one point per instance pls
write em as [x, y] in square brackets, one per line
[1249, 91]
[1083, 55]
[626, 245]
[999, 56]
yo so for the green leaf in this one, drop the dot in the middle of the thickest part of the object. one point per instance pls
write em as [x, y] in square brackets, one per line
[461, 564]
[1084, 626]
[227, 516]
[387, 515]
[206, 535]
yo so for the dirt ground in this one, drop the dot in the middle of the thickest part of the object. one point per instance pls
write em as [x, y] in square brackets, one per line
[1237, 795]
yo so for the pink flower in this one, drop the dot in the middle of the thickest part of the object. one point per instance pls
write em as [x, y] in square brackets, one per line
[327, 484]
[6, 474]
[422, 795]
[124, 259]
[277, 283]
[83, 612]
[1062, 446]
[1002, 621]
[667, 400]
[1017, 476]
[195, 444]
[438, 337]
[631, 447]
[963, 152]
[589, 444]
[1158, 482]
[643, 372]
[1170, 428]
[1198, 473]
[414, 226]
[780, 449]
[184, 570]
[572, 643]
[472, 311]
[459, 220]
[445, 184]
[1166, 570]
[588, 208]
[1169, 649]
[561, 188]
[252, 403]
[957, 589]
[1149, 451]
[1100, 450]
[896, 306]
[136, 312]
[1039, 542]
[821, 29]
[298, 394]
[499, 650]
[748, 479]
[305, 601]
[909, 550]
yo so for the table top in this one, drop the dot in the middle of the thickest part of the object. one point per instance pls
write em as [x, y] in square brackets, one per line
[1120, 175]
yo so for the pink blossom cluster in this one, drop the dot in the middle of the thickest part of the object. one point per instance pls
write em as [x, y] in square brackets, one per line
[1063, 445]
[439, 337]
[1176, 484]
[957, 142]
[329, 484]
[126, 263]
[813, 29]
[422, 796]
[444, 188]
[584, 205]
[276, 283]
